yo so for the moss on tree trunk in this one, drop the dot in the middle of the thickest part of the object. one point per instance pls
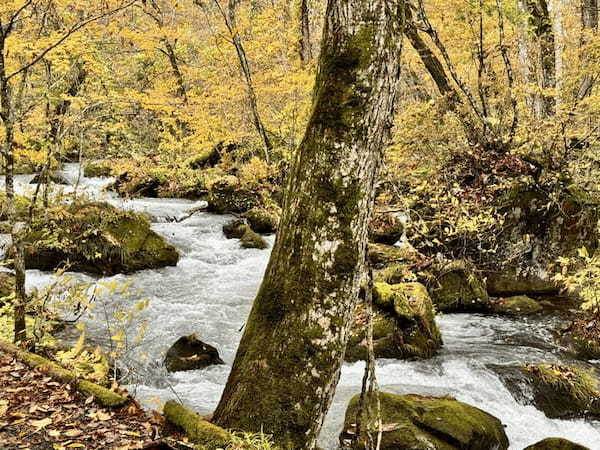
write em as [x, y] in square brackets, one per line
[288, 362]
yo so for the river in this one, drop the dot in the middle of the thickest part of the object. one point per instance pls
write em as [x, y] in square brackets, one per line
[210, 293]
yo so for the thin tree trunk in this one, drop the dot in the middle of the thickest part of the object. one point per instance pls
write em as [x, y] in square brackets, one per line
[556, 10]
[289, 359]
[589, 22]
[528, 67]
[305, 43]
[245, 68]
[170, 52]
[8, 118]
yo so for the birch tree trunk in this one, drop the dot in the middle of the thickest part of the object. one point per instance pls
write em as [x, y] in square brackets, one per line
[288, 362]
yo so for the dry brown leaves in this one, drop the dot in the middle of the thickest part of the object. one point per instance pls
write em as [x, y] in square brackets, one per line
[37, 412]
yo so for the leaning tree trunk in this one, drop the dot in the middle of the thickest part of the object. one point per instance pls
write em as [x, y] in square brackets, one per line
[288, 362]
[304, 42]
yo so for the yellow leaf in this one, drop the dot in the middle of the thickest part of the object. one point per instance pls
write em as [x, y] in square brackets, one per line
[39, 424]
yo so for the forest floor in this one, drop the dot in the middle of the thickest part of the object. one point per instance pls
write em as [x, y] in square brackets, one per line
[40, 413]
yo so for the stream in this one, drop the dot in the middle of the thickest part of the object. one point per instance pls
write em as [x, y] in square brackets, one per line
[210, 293]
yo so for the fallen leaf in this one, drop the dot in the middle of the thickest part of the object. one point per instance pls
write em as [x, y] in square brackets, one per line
[39, 424]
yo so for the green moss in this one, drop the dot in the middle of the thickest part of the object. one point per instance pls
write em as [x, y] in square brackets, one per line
[425, 423]
[96, 238]
[250, 239]
[263, 220]
[564, 391]
[97, 169]
[198, 430]
[227, 195]
[519, 305]
[456, 287]
[556, 444]
[206, 157]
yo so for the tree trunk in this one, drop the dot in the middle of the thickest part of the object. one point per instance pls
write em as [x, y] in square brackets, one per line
[245, 68]
[288, 362]
[544, 33]
[305, 43]
[181, 89]
[589, 22]
[7, 115]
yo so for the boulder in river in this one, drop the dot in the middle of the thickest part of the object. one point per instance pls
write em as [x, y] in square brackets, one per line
[227, 195]
[562, 391]
[385, 228]
[250, 239]
[97, 169]
[457, 287]
[96, 238]
[263, 220]
[516, 306]
[403, 324]
[52, 177]
[583, 337]
[235, 229]
[427, 423]
[541, 224]
[556, 444]
[190, 353]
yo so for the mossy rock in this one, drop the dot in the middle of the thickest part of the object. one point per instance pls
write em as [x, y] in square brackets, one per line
[382, 255]
[227, 195]
[190, 353]
[7, 284]
[385, 228]
[583, 337]
[403, 324]
[250, 239]
[52, 177]
[562, 391]
[556, 444]
[235, 229]
[96, 238]
[97, 169]
[510, 283]
[426, 423]
[263, 220]
[516, 306]
[457, 287]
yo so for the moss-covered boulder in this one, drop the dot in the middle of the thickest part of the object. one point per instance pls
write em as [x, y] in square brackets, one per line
[235, 229]
[97, 169]
[250, 239]
[263, 220]
[227, 195]
[562, 391]
[52, 177]
[516, 306]
[457, 287]
[208, 156]
[583, 337]
[190, 353]
[96, 238]
[385, 228]
[426, 423]
[541, 224]
[556, 444]
[206, 435]
[382, 255]
[403, 324]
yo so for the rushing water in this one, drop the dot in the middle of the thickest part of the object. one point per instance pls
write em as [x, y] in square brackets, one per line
[210, 293]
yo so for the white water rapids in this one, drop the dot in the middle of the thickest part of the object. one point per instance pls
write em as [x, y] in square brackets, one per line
[210, 293]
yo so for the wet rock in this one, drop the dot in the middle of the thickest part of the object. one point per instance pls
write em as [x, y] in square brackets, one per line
[539, 227]
[227, 195]
[190, 353]
[53, 177]
[263, 220]
[385, 228]
[235, 229]
[516, 306]
[381, 255]
[96, 238]
[250, 239]
[562, 391]
[403, 324]
[97, 169]
[427, 423]
[583, 337]
[206, 157]
[556, 444]
[457, 287]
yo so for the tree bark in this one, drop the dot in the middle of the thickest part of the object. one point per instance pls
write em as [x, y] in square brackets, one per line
[305, 43]
[288, 362]
[589, 22]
